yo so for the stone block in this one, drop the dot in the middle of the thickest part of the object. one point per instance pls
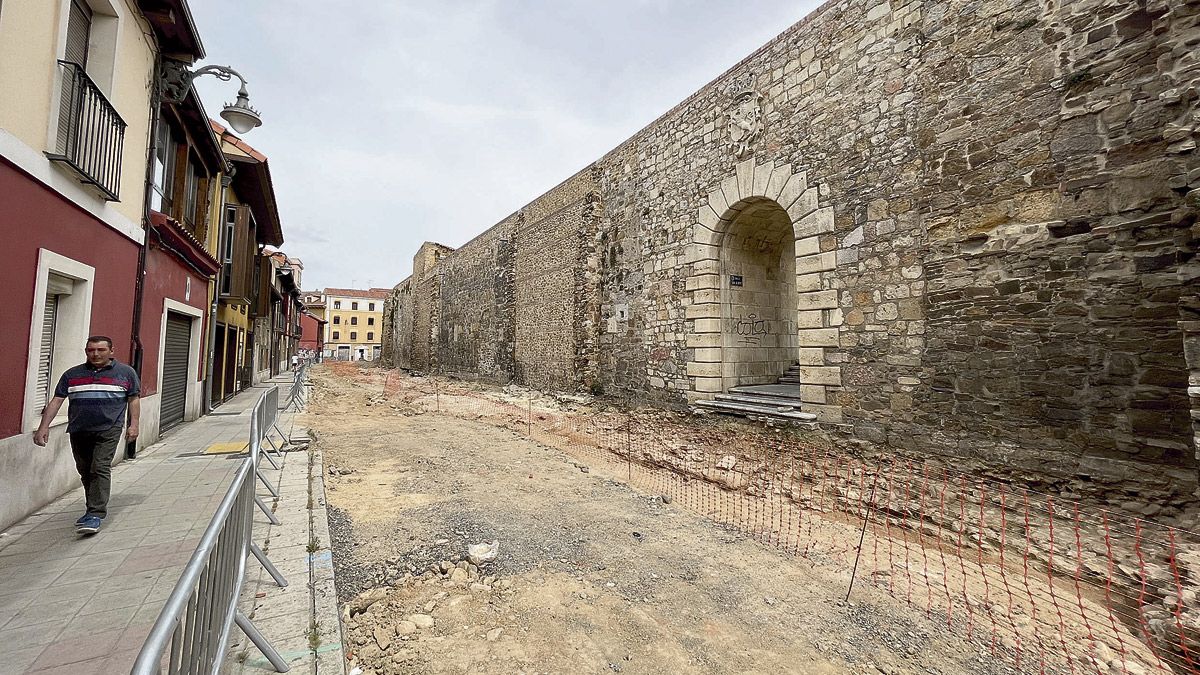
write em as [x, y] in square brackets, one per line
[705, 296]
[810, 319]
[745, 178]
[697, 252]
[797, 184]
[702, 340]
[830, 414]
[808, 246]
[700, 281]
[718, 203]
[817, 300]
[708, 384]
[702, 311]
[805, 204]
[762, 176]
[708, 325]
[812, 393]
[697, 369]
[808, 282]
[710, 219]
[779, 178]
[811, 221]
[708, 355]
[729, 188]
[816, 337]
[821, 262]
[707, 266]
[706, 237]
[811, 356]
[820, 375]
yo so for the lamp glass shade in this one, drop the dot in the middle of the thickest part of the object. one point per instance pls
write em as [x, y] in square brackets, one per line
[241, 118]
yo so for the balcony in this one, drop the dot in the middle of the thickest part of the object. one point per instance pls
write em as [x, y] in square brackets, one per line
[90, 132]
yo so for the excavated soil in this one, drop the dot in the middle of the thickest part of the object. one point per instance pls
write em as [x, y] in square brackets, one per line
[590, 577]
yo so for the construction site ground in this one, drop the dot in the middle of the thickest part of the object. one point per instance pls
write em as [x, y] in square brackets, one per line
[591, 576]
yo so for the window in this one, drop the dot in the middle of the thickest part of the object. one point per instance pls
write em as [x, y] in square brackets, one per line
[191, 193]
[354, 321]
[164, 168]
[353, 336]
[370, 321]
[227, 250]
[79, 30]
[62, 307]
[370, 336]
[353, 305]
[337, 319]
[337, 304]
[336, 335]
[371, 307]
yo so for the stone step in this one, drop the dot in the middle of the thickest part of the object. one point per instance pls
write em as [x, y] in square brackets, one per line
[758, 399]
[789, 380]
[788, 413]
[790, 392]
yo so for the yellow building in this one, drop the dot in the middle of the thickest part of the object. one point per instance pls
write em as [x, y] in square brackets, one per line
[249, 220]
[354, 328]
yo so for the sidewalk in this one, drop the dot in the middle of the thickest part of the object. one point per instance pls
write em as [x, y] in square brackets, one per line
[83, 605]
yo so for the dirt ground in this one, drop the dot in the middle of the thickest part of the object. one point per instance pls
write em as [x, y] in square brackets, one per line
[590, 577]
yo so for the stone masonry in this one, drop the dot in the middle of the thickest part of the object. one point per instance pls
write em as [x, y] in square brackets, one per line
[972, 224]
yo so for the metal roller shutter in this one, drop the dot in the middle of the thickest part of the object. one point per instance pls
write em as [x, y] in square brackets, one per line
[175, 370]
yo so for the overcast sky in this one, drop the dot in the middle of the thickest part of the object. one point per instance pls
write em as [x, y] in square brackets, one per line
[390, 123]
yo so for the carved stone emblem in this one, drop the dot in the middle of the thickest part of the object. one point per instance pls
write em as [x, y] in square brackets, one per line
[745, 116]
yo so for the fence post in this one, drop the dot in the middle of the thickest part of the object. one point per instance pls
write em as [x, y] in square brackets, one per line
[529, 413]
[628, 450]
[863, 535]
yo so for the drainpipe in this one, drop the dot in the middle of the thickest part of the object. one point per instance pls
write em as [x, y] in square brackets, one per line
[211, 357]
[139, 289]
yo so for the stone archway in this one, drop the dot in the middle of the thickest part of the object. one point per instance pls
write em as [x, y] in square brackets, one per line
[764, 220]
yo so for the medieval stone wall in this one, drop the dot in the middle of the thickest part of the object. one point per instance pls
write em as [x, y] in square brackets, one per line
[993, 231]
[549, 238]
[476, 307]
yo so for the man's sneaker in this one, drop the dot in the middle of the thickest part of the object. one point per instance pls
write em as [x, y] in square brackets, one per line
[81, 519]
[89, 525]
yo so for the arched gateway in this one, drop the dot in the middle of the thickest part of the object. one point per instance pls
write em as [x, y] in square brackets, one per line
[761, 301]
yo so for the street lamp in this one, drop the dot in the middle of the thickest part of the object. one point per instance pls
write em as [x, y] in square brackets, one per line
[177, 80]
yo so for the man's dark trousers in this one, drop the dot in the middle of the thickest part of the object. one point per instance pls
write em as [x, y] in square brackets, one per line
[94, 452]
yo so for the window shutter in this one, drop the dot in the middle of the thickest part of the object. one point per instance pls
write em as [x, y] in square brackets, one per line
[45, 364]
[242, 272]
[79, 28]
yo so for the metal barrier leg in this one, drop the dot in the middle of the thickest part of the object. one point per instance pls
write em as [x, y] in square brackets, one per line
[271, 459]
[259, 641]
[277, 450]
[266, 510]
[270, 488]
[268, 565]
[286, 440]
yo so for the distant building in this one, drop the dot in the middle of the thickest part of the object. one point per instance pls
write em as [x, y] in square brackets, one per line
[354, 331]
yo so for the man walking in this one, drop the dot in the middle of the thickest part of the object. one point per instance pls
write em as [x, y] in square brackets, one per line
[99, 391]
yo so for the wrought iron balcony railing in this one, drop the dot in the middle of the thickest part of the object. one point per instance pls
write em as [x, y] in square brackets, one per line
[90, 132]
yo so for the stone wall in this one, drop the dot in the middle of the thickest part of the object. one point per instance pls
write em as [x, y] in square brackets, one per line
[992, 241]
[549, 239]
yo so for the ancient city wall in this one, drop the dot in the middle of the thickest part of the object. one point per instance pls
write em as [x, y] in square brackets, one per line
[971, 224]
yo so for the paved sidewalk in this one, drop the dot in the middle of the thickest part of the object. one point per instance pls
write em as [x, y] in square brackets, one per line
[300, 620]
[84, 605]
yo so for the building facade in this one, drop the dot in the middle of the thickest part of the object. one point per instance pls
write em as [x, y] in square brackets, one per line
[111, 202]
[354, 326]
[963, 233]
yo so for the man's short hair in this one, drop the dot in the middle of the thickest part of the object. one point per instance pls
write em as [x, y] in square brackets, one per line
[100, 338]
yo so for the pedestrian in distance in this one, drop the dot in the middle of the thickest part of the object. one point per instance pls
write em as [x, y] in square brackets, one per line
[99, 392]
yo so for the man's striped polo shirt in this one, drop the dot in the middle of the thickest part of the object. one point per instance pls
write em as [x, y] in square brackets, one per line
[97, 396]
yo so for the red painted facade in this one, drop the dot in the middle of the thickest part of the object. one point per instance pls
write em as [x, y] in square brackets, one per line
[311, 332]
[167, 277]
[33, 216]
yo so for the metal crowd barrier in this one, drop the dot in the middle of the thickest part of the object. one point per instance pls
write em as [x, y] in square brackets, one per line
[192, 631]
